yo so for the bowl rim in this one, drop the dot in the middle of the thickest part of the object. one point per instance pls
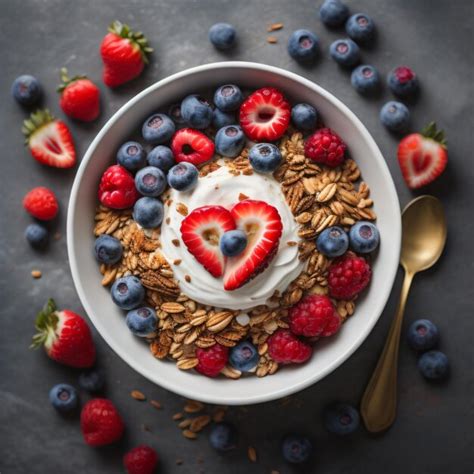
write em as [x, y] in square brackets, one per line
[173, 385]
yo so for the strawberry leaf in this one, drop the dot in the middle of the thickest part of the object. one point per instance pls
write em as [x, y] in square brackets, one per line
[46, 321]
[431, 131]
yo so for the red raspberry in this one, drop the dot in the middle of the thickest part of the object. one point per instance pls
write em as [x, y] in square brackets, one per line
[333, 325]
[101, 423]
[140, 460]
[212, 360]
[117, 188]
[286, 348]
[325, 147]
[348, 276]
[192, 146]
[41, 203]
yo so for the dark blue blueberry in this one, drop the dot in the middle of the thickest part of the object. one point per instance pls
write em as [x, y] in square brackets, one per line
[395, 116]
[108, 249]
[361, 28]
[345, 52]
[127, 292]
[303, 45]
[433, 365]
[364, 237]
[196, 111]
[63, 397]
[365, 79]
[183, 176]
[148, 212]
[304, 117]
[423, 335]
[131, 156]
[222, 119]
[223, 437]
[402, 81]
[264, 157]
[161, 157]
[333, 242]
[26, 90]
[296, 449]
[150, 181]
[228, 98]
[141, 321]
[244, 356]
[233, 242]
[37, 236]
[222, 35]
[175, 114]
[341, 418]
[158, 129]
[229, 141]
[333, 13]
[92, 381]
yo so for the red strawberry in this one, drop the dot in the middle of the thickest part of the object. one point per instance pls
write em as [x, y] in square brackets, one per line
[265, 114]
[101, 423]
[49, 140]
[192, 146]
[422, 156]
[124, 54]
[41, 203]
[79, 97]
[117, 188]
[65, 336]
[262, 224]
[201, 231]
[140, 460]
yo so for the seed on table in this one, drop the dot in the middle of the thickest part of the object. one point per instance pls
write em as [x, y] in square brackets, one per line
[177, 416]
[252, 454]
[156, 404]
[137, 395]
[193, 406]
[189, 434]
[272, 40]
[36, 274]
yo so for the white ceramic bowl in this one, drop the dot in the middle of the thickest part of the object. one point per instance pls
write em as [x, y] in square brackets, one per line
[109, 320]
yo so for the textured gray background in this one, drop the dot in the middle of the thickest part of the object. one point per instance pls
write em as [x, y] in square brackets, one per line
[433, 432]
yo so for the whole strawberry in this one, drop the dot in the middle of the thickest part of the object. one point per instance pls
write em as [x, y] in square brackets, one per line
[66, 337]
[79, 97]
[41, 203]
[124, 54]
[140, 460]
[326, 147]
[117, 188]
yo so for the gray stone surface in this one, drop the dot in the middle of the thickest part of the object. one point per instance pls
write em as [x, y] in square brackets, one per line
[433, 432]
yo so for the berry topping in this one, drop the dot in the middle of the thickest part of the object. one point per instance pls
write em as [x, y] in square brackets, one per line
[325, 147]
[196, 111]
[63, 397]
[183, 176]
[161, 157]
[228, 98]
[341, 419]
[140, 460]
[150, 181]
[37, 236]
[365, 79]
[41, 203]
[131, 156]
[395, 116]
[244, 356]
[222, 36]
[332, 242]
[230, 141]
[303, 45]
[127, 292]
[212, 360]
[348, 276]
[222, 119]
[345, 52]
[192, 146]
[265, 157]
[108, 249]
[423, 335]
[333, 13]
[285, 348]
[402, 81]
[304, 116]
[296, 449]
[361, 28]
[117, 188]
[433, 365]
[158, 129]
[142, 321]
[364, 237]
[233, 242]
[26, 90]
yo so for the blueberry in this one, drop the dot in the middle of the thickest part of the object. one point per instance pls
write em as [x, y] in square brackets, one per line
[222, 119]
[341, 419]
[150, 181]
[264, 157]
[244, 356]
[148, 212]
[222, 35]
[229, 141]
[161, 157]
[175, 114]
[26, 90]
[131, 156]
[233, 242]
[333, 13]
[158, 129]
[183, 176]
[345, 52]
[304, 116]
[433, 365]
[361, 28]
[402, 81]
[141, 321]
[108, 249]
[223, 437]
[423, 335]
[92, 381]
[127, 292]
[333, 242]
[296, 449]
[303, 45]
[196, 111]
[37, 236]
[364, 237]
[365, 79]
[63, 397]
[228, 98]
[395, 116]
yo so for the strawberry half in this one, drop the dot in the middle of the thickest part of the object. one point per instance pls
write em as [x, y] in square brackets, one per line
[422, 156]
[49, 140]
[262, 224]
[265, 114]
[201, 231]
[192, 146]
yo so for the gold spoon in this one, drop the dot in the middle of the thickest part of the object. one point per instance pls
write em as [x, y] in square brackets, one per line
[423, 239]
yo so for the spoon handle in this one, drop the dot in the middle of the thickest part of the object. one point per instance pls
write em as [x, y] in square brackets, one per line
[379, 403]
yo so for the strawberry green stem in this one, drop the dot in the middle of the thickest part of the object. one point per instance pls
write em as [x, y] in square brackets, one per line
[66, 80]
[430, 131]
[46, 323]
[136, 38]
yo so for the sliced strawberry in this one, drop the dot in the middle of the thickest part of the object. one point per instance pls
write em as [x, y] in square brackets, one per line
[262, 224]
[422, 156]
[265, 114]
[201, 231]
[192, 146]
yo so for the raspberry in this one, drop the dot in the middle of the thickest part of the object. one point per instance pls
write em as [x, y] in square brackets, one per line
[348, 276]
[140, 460]
[326, 147]
[41, 203]
[117, 188]
[333, 325]
[286, 348]
[212, 360]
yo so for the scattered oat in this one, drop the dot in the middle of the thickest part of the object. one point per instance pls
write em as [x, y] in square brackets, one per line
[189, 434]
[252, 454]
[175, 242]
[168, 220]
[275, 27]
[274, 471]
[218, 416]
[291, 243]
[156, 404]
[137, 395]
[182, 209]
[177, 416]
[272, 39]
[193, 406]
[177, 261]
[187, 278]
[199, 423]
[242, 197]
[185, 423]
[179, 462]
[36, 274]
